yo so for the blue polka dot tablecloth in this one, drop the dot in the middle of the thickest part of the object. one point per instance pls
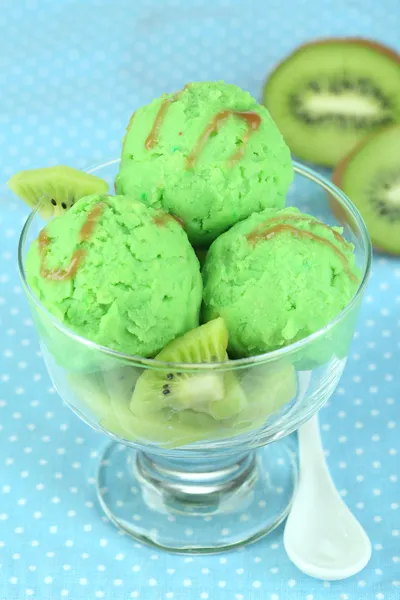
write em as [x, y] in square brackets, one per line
[72, 71]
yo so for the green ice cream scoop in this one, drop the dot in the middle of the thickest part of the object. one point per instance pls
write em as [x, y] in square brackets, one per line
[118, 273]
[277, 277]
[208, 154]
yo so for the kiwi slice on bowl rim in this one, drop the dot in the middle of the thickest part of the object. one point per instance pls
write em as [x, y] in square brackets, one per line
[56, 188]
[370, 176]
[329, 94]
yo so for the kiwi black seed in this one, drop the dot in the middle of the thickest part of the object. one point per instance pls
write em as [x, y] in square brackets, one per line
[56, 188]
[370, 176]
[328, 95]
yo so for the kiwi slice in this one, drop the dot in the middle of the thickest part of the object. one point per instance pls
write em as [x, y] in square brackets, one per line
[330, 94]
[370, 176]
[57, 188]
[216, 394]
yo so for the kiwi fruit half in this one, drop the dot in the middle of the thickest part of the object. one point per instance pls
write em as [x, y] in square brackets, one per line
[57, 188]
[214, 393]
[370, 176]
[328, 95]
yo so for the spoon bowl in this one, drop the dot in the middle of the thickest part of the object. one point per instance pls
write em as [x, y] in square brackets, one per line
[322, 537]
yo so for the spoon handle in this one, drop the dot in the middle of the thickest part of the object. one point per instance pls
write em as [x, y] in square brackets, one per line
[311, 452]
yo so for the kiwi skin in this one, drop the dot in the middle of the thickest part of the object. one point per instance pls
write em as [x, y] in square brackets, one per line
[349, 40]
[337, 178]
[372, 45]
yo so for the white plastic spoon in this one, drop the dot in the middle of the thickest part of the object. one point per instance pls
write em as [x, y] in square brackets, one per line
[322, 537]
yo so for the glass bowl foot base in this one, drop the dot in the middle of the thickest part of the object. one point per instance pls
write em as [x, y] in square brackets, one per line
[203, 504]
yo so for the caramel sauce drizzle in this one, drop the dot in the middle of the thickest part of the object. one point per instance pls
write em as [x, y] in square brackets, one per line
[270, 232]
[253, 121]
[79, 254]
[152, 138]
[295, 219]
[161, 219]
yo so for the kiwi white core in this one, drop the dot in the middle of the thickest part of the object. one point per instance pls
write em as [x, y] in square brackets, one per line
[198, 391]
[345, 105]
[392, 195]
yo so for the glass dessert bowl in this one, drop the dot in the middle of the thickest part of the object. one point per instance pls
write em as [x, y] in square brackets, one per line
[181, 478]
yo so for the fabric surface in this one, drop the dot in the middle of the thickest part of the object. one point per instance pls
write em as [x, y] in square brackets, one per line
[72, 71]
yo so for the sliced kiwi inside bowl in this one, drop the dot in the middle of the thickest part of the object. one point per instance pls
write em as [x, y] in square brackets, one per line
[328, 95]
[215, 393]
[130, 403]
[56, 188]
[370, 176]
